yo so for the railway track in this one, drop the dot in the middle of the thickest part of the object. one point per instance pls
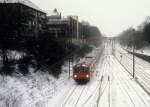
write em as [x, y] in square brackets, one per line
[140, 66]
[104, 88]
[100, 87]
[107, 74]
[110, 78]
[96, 89]
[145, 83]
[69, 95]
[129, 86]
[75, 95]
[145, 77]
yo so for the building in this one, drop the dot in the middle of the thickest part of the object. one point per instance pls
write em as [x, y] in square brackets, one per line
[56, 25]
[76, 30]
[68, 28]
[21, 17]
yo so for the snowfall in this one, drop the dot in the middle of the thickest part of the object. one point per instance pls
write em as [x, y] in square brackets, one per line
[112, 85]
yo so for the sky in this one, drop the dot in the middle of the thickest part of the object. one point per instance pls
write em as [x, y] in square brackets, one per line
[110, 16]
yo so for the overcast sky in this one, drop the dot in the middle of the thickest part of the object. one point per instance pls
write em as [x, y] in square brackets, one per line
[111, 16]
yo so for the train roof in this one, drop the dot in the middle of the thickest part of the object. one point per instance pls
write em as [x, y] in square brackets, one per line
[81, 64]
[87, 60]
[24, 2]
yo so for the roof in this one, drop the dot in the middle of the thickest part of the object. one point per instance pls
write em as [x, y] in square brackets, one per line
[81, 65]
[24, 2]
[54, 13]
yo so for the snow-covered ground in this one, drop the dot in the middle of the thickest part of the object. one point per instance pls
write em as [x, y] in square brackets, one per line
[111, 86]
[33, 90]
[142, 68]
[145, 51]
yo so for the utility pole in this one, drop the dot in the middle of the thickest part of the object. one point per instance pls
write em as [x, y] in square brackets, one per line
[70, 56]
[77, 27]
[69, 67]
[133, 61]
[112, 45]
[133, 54]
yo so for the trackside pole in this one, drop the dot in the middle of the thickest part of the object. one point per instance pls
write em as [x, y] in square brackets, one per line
[69, 67]
[133, 61]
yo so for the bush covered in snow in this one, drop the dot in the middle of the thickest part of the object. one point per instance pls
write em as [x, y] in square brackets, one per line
[32, 90]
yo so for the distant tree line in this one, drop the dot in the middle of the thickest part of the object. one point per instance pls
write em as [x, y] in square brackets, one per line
[93, 35]
[139, 37]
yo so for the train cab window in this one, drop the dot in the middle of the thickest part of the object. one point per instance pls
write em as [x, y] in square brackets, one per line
[84, 69]
[77, 69]
[81, 68]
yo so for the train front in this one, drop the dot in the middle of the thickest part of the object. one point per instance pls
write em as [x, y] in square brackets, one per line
[81, 73]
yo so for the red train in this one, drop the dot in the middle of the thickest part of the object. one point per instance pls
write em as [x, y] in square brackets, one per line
[83, 71]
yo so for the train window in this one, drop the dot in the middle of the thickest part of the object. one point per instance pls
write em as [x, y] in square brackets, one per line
[85, 69]
[77, 69]
[81, 68]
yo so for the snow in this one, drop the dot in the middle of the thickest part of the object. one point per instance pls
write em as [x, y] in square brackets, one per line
[111, 85]
[25, 2]
[15, 55]
[145, 51]
[142, 69]
[33, 90]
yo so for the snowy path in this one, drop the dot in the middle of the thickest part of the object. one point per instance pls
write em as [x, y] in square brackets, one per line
[111, 86]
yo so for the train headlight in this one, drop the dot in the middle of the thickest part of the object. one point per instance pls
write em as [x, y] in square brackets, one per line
[75, 76]
[87, 76]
